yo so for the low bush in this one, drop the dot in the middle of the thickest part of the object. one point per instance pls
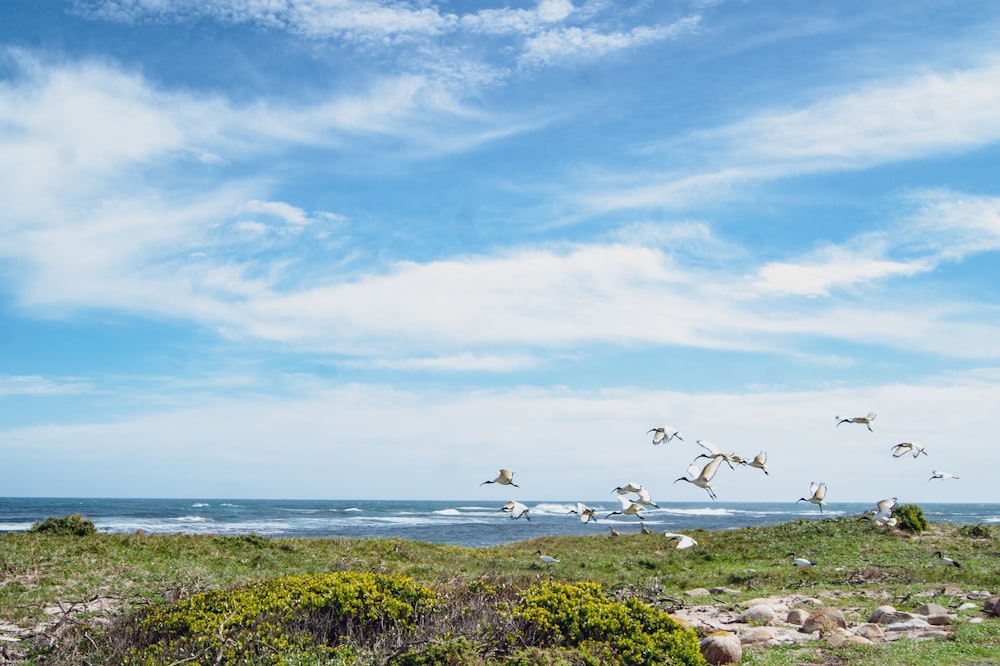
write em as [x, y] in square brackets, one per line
[71, 525]
[910, 517]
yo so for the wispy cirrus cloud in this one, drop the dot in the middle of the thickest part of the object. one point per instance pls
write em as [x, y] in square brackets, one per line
[903, 117]
[38, 385]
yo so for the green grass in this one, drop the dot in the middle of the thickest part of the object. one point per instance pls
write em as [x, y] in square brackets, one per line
[865, 566]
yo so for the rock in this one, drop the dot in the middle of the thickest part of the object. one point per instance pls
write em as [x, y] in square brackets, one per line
[841, 637]
[721, 647]
[940, 620]
[907, 625]
[759, 614]
[992, 604]
[824, 620]
[933, 634]
[758, 636]
[975, 620]
[723, 590]
[978, 594]
[931, 609]
[797, 616]
[698, 592]
[877, 614]
[870, 630]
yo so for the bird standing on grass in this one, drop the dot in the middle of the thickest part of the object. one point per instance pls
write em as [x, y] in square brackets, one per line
[801, 562]
[947, 560]
[548, 559]
[644, 529]
[903, 448]
[862, 420]
[516, 510]
[664, 434]
[614, 532]
[817, 495]
[505, 478]
[703, 478]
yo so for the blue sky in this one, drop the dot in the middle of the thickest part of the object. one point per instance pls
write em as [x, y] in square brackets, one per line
[323, 249]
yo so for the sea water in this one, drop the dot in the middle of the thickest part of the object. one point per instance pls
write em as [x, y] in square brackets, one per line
[458, 522]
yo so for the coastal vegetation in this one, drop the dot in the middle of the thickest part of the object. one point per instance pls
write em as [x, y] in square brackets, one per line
[160, 599]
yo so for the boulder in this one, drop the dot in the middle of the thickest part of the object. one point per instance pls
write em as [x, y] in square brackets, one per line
[797, 616]
[992, 604]
[721, 647]
[759, 614]
[908, 625]
[824, 620]
[876, 615]
[841, 637]
[870, 630]
[758, 636]
[698, 592]
[930, 609]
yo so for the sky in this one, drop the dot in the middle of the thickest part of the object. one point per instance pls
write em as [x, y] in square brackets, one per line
[379, 250]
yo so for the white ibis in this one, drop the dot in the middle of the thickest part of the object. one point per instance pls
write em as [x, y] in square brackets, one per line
[629, 508]
[516, 510]
[683, 540]
[903, 448]
[703, 478]
[882, 516]
[645, 499]
[715, 452]
[941, 475]
[505, 478]
[548, 559]
[664, 434]
[947, 560]
[801, 562]
[759, 461]
[817, 495]
[585, 512]
[862, 420]
[630, 487]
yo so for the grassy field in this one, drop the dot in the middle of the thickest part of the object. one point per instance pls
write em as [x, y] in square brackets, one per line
[864, 567]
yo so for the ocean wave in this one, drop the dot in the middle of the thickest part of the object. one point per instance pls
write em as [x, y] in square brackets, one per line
[199, 505]
[191, 519]
[353, 508]
[699, 512]
[447, 512]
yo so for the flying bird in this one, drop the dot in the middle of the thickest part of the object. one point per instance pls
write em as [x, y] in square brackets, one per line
[664, 434]
[585, 512]
[863, 420]
[645, 499]
[683, 540]
[715, 452]
[817, 495]
[801, 562]
[629, 508]
[516, 510]
[882, 515]
[548, 559]
[903, 448]
[505, 478]
[941, 475]
[947, 560]
[703, 477]
[630, 487]
[759, 461]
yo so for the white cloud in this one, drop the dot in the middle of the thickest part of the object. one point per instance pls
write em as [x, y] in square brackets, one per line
[326, 446]
[38, 385]
[591, 43]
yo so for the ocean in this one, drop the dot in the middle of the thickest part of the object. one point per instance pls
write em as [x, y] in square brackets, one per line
[471, 523]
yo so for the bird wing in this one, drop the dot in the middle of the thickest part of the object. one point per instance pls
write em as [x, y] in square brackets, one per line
[821, 491]
[708, 446]
[708, 472]
[870, 417]
[900, 449]
[761, 458]
[885, 506]
[644, 497]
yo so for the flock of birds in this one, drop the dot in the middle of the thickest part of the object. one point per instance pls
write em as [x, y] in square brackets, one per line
[635, 498]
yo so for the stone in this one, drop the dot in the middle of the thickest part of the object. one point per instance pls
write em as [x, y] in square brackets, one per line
[908, 625]
[978, 594]
[759, 614]
[758, 636]
[992, 604]
[824, 620]
[698, 592]
[870, 630]
[797, 616]
[723, 590]
[933, 634]
[968, 605]
[876, 615]
[931, 609]
[939, 620]
[721, 647]
[841, 637]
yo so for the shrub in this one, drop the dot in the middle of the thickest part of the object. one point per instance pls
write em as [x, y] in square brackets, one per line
[312, 617]
[978, 531]
[910, 517]
[72, 525]
[628, 633]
